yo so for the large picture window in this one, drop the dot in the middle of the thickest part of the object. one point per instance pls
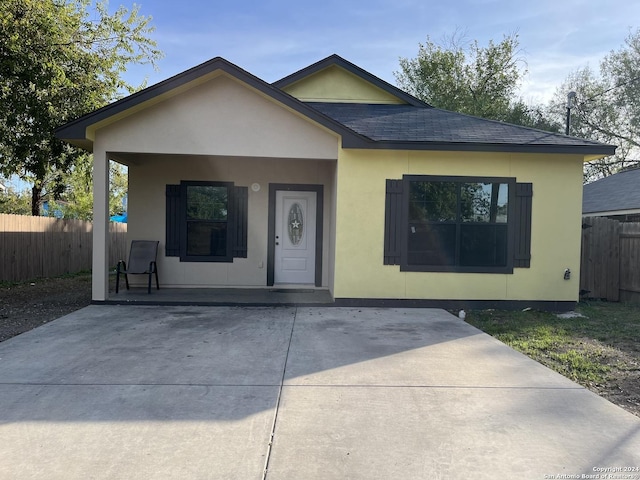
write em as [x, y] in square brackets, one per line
[459, 224]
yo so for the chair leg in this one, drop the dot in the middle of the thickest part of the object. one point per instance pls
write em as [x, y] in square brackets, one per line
[157, 283]
[149, 287]
[121, 266]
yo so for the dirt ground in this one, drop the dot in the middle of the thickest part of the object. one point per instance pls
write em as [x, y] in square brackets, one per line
[29, 305]
[622, 384]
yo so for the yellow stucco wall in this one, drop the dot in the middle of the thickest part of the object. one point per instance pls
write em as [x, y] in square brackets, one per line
[334, 84]
[556, 226]
[223, 130]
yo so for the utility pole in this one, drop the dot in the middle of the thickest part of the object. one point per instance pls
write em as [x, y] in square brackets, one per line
[571, 98]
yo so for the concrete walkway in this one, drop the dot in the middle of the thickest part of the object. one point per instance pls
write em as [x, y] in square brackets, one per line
[140, 392]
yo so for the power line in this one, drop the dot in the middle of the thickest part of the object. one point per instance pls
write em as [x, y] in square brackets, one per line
[593, 97]
[634, 79]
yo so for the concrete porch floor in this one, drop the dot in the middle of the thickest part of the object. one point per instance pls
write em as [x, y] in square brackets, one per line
[256, 297]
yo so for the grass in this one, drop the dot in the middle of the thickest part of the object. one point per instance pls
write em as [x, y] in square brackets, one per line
[590, 350]
[84, 274]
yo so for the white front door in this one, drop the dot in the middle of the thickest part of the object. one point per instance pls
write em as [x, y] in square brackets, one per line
[295, 242]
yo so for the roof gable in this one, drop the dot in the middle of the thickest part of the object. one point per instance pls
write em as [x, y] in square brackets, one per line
[80, 132]
[334, 84]
[224, 117]
[334, 79]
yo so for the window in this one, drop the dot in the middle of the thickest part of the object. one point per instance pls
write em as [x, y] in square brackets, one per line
[462, 224]
[206, 221]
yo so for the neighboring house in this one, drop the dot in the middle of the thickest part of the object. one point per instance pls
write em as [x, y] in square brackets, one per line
[333, 178]
[58, 211]
[616, 197]
[3, 189]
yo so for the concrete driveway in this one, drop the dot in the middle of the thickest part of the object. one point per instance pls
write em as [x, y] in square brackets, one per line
[140, 392]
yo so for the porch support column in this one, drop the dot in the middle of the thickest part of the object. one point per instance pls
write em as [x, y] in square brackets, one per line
[100, 276]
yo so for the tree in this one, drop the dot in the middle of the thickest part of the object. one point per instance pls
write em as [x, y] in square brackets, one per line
[76, 201]
[470, 79]
[607, 107]
[13, 201]
[56, 64]
[593, 116]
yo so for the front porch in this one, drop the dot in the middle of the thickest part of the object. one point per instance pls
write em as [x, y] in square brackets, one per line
[205, 155]
[253, 297]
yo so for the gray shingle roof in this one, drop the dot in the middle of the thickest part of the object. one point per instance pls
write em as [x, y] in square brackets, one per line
[401, 124]
[413, 126]
[616, 192]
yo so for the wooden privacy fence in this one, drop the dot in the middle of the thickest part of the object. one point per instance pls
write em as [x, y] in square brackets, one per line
[610, 263]
[34, 247]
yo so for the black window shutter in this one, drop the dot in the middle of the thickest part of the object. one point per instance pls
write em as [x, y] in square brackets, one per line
[172, 239]
[393, 222]
[241, 199]
[522, 250]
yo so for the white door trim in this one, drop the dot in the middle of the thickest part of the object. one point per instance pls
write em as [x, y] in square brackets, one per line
[319, 239]
[295, 250]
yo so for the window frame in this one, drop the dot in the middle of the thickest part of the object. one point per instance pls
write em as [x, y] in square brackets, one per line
[231, 227]
[511, 224]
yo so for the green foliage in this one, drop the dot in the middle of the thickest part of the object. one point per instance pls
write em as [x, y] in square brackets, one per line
[14, 202]
[119, 187]
[433, 201]
[207, 203]
[446, 201]
[581, 366]
[607, 106]
[534, 116]
[59, 61]
[76, 201]
[471, 79]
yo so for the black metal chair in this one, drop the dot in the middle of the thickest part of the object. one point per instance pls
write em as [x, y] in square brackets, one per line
[142, 261]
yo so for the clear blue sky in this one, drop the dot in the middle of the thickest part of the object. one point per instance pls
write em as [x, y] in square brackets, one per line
[273, 38]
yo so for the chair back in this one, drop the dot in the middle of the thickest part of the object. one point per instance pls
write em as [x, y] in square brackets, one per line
[142, 253]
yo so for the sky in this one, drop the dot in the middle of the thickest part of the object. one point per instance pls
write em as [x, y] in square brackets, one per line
[274, 38]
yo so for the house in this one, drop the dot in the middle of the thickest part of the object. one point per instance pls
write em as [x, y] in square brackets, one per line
[616, 197]
[58, 211]
[335, 179]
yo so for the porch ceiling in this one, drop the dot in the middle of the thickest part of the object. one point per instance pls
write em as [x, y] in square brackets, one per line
[136, 158]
